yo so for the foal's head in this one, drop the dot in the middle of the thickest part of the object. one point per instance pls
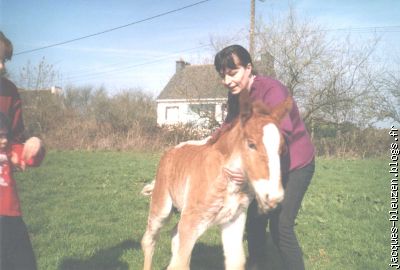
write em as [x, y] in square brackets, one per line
[262, 146]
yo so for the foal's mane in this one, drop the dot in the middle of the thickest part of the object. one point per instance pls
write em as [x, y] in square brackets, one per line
[260, 108]
[257, 107]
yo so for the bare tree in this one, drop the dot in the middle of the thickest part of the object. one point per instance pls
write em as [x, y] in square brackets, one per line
[39, 77]
[331, 78]
[389, 86]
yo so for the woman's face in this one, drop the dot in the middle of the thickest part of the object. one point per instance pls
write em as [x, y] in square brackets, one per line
[238, 78]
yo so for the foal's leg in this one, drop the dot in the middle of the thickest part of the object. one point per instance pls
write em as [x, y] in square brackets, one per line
[160, 210]
[232, 240]
[175, 240]
[189, 230]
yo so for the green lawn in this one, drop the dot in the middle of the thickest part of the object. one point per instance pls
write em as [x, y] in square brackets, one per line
[84, 211]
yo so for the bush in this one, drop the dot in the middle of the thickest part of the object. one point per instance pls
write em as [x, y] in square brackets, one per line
[88, 118]
[357, 143]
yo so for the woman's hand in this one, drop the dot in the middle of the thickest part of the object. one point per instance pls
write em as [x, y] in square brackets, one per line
[193, 142]
[235, 175]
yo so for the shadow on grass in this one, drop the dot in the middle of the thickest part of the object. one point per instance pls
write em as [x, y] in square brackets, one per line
[104, 259]
[206, 257]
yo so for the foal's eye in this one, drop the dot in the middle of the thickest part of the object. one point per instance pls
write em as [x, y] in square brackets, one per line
[252, 145]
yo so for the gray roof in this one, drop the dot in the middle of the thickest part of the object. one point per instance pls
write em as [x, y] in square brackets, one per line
[194, 82]
[203, 81]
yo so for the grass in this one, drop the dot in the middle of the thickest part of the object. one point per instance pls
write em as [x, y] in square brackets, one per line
[84, 211]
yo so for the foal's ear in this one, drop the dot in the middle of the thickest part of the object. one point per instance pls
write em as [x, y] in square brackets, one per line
[281, 110]
[245, 106]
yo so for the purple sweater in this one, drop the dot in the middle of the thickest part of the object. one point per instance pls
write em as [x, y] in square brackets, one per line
[272, 93]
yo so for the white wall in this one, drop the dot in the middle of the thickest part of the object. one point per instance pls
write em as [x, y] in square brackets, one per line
[171, 112]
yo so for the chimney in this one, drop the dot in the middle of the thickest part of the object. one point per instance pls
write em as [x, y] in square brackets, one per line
[181, 65]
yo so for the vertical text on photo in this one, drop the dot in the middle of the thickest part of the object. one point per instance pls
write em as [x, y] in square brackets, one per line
[394, 207]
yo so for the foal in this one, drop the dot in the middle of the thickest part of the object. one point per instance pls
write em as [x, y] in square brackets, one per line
[191, 179]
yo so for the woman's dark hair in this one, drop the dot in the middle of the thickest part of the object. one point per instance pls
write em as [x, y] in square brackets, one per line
[5, 124]
[224, 59]
[6, 48]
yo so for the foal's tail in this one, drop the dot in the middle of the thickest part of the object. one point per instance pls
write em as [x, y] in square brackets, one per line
[148, 189]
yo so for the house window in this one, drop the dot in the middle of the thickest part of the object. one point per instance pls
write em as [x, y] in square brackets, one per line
[203, 110]
[172, 114]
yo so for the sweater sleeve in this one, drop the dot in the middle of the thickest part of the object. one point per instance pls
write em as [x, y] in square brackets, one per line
[275, 95]
[17, 149]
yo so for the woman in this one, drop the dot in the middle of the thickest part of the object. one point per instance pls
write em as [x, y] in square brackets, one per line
[235, 67]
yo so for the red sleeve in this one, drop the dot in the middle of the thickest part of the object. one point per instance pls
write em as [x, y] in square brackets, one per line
[34, 161]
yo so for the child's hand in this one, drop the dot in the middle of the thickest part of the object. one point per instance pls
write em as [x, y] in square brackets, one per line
[3, 159]
[14, 158]
[32, 148]
[3, 182]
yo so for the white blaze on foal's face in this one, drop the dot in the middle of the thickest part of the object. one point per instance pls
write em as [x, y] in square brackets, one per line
[269, 191]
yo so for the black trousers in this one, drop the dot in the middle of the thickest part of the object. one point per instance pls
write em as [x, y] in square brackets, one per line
[16, 251]
[281, 223]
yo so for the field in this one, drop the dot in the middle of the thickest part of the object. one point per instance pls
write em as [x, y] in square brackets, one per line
[84, 211]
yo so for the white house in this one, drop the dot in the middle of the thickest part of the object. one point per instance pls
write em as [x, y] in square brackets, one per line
[194, 94]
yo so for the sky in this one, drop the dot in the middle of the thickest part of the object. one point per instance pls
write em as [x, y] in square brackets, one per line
[150, 35]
